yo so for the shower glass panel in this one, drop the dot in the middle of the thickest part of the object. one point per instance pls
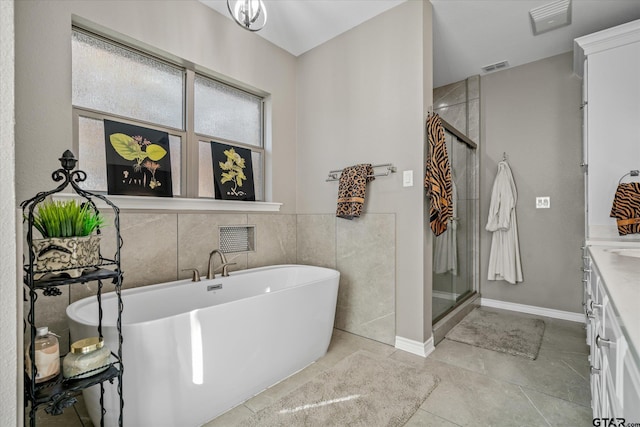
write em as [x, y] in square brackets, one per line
[454, 263]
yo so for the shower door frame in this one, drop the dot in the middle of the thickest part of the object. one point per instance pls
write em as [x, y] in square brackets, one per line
[462, 138]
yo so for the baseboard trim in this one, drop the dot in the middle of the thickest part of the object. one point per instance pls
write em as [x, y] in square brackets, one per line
[531, 309]
[415, 347]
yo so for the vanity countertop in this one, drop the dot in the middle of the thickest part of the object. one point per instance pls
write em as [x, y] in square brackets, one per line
[620, 270]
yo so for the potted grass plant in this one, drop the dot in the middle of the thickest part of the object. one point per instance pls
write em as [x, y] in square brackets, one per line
[69, 244]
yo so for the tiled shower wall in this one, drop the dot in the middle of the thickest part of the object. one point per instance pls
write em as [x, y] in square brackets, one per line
[459, 104]
[158, 246]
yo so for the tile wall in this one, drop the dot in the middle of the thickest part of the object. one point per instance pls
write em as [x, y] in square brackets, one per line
[159, 246]
[364, 252]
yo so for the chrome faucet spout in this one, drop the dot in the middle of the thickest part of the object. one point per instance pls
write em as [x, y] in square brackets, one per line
[211, 271]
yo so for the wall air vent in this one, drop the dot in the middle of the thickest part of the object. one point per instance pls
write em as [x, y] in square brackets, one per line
[495, 66]
[550, 16]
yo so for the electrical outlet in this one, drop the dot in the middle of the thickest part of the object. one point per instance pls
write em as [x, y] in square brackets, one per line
[543, 202]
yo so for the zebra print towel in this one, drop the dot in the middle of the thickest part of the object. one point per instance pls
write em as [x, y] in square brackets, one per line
[626, 208]
[438, 177]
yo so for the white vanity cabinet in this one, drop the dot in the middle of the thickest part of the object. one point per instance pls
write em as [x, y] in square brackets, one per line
[609, 62]
[631, 390]
[595, 299]
[615, 377]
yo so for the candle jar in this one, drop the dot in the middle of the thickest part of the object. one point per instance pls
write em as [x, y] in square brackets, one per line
[87, 357]
[47, 355]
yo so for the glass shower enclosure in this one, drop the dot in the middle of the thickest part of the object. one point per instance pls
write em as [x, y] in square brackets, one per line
[455, 252]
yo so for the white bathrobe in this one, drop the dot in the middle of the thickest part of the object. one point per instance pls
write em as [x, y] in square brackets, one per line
[504, 259]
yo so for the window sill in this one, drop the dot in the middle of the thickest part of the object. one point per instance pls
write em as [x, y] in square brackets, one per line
[177, 203]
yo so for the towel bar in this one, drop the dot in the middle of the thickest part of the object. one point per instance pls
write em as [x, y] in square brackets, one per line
[334, 175]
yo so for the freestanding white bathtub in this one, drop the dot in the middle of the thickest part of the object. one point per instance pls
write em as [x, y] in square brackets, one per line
[193, 350]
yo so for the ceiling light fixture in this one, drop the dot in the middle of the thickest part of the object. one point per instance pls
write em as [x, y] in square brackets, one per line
[249, 14]
[550, 16]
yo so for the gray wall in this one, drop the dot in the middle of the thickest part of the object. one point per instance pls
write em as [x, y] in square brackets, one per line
[532, 113]
[378, 77]
[361, 99]
[184, 29]
[427, 239]
[9, 380]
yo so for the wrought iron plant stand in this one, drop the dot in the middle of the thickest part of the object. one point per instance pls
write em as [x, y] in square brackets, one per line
[59, 393]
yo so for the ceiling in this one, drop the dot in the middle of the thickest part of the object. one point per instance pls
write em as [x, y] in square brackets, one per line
[468, 34]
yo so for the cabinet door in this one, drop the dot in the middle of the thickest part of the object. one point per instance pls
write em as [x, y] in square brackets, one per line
[596, 395]
[613, 406]
[597, 323]
[614, 347]
[587, 297]
[598, 383]
[613, 88]
[598, 300]
[630, 390]
[610, 344]
[595, 283]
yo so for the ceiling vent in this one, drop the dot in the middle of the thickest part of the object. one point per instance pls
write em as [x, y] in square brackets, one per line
[496, 66]
[550, 16]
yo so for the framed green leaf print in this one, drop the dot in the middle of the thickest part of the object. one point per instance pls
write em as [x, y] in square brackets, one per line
[232, 172]
[138, 160]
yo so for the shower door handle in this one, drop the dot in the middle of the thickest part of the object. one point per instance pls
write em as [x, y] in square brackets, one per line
[602, 342]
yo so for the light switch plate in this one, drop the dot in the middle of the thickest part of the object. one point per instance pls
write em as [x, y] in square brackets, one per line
[543, 202]
[407, 178]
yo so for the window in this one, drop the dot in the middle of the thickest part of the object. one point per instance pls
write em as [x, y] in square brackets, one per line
[118, 83]
[226, 114]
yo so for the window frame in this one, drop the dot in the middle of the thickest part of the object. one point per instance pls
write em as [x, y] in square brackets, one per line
[78, 112]
[197, 137]
[189, 198]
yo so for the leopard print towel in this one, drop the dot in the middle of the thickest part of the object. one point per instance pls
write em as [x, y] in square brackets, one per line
[626, 208]
[437, 180]
[351, 190]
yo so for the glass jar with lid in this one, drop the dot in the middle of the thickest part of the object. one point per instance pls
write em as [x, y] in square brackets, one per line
[47, 355]
[87, 357]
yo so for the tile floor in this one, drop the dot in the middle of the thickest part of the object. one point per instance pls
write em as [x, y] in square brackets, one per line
[477, 387]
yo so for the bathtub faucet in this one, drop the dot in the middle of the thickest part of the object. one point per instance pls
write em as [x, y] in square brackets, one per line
[211, 272]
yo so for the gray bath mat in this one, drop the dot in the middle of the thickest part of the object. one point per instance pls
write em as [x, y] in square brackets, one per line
[504, 332]
[361, 390]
